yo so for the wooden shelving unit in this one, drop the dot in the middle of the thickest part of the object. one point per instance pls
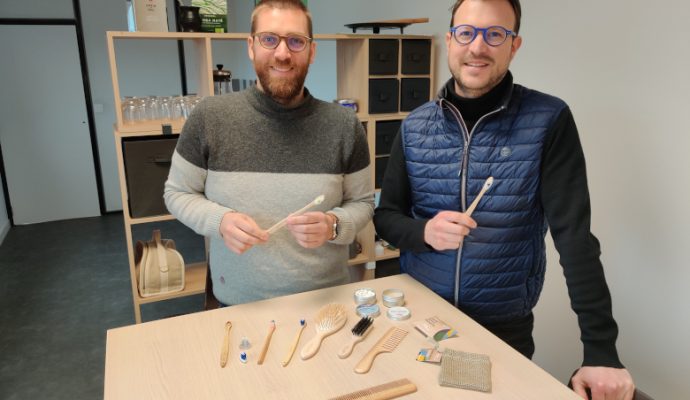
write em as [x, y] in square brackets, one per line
[353, 76]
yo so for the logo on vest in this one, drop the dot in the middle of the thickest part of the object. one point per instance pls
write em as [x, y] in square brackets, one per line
[506, 151]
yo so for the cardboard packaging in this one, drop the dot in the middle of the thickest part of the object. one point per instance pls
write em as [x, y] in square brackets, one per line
[150, 15]
[214, 15]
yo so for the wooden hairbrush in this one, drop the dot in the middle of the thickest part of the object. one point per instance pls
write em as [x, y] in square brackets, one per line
[328, 321]
[388, 342]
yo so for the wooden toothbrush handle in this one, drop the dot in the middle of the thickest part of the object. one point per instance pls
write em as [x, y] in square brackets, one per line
[288, 356]
[312, 346]
[225, 348]
[365, 364]
[267, 342]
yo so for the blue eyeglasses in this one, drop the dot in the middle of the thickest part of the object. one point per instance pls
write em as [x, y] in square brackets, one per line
[295, 42]
[493, 35]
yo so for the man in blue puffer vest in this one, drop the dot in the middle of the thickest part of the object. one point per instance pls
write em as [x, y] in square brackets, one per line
[492, 265]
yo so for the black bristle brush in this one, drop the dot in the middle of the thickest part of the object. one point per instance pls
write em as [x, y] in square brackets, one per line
[359, 331]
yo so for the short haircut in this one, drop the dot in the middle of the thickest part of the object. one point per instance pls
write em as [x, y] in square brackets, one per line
[514, 3]
[283, 5]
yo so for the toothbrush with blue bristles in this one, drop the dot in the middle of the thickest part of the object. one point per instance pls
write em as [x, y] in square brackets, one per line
[288, 357]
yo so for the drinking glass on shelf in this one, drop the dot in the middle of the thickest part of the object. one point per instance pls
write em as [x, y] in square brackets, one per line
[192, 101]
[152, 108]
[142, 108]
[130, 112]
[165, 107]
[179, 108]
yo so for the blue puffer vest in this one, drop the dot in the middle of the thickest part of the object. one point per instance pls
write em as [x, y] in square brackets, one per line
[498, 273]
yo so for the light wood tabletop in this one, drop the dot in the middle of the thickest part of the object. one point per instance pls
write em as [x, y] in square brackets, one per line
[179, 358]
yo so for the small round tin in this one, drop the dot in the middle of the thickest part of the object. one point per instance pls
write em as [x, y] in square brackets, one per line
[365, 296]
[398, 313]
[368, 310]
[349, 103]
[393, 298]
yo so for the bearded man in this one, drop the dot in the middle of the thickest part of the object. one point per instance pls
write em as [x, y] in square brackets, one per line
[246, 160]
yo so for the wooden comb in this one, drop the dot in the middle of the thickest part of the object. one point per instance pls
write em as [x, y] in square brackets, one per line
[328, 321]
[388, 342]
[385, 391]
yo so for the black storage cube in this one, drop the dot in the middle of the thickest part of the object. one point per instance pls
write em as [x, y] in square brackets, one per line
[416, 56]
[379, 170]
[147, 163]
[383, 57]
[383, 96]
[385, 133]
[413, 93]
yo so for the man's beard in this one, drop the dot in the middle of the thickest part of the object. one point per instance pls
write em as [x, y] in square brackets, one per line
[282, 90]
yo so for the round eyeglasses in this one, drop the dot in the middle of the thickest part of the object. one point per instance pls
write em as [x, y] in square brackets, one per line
[493, 35]
[294, 42]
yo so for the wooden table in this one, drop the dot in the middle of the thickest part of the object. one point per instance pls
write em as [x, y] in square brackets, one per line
[179, 358]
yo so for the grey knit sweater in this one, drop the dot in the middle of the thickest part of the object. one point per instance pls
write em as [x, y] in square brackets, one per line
[244, 152]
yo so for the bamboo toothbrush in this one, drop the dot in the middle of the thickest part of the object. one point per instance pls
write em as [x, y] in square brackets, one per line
[388, 342]
[487, 184]
[288, 356]
[267, 341]
[359, 332]
[302, 210]
[225, 348]
[328, 321]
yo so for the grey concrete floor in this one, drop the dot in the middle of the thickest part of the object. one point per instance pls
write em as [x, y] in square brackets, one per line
[62, 286]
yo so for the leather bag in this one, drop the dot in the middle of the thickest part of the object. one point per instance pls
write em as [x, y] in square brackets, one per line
[159, 267]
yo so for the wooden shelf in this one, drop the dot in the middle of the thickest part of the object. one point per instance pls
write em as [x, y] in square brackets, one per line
[387, 254]
[148, 127]
[147, 220]
[359, 259]
[194, 283]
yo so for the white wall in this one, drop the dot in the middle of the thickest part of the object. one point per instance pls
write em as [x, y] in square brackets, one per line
[622, 66]
[36, 9]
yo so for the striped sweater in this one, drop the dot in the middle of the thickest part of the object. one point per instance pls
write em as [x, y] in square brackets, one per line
[244, 152]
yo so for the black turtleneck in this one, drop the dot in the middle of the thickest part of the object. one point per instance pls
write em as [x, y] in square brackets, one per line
[565, 198]
[473, 109]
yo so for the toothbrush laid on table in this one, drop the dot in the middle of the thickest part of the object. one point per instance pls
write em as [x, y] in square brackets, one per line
[267, 341]
[288, 356]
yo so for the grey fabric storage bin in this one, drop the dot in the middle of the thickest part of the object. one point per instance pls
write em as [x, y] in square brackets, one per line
[416, 56]
[147, 163]
[383, 96]
[383, 57]
[413, 93]
[385, 133]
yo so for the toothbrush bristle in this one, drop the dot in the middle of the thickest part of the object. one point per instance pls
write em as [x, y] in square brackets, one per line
[362, 326]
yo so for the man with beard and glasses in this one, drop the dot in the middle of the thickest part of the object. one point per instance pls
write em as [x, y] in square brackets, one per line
[491, 264]
[244, 161]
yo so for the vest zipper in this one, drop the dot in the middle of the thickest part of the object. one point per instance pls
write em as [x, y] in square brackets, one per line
[463, 181]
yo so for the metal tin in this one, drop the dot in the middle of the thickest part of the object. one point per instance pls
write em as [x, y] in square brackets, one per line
[365, 296]
[398, 313]
[393, 298]
[368, 310]
[349, 103]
